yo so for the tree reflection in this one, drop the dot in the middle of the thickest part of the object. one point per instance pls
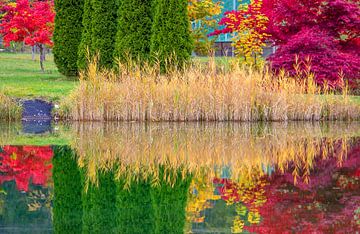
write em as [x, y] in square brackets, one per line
[133, 179]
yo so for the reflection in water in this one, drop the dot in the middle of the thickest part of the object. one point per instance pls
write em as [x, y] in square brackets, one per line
[175, 178]
[25, 188]
[99, 205]
[135, 209]
[67, 205]
[242, 152]
[22, 163]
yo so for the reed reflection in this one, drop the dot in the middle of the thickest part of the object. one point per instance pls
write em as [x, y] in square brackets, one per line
[175, 178]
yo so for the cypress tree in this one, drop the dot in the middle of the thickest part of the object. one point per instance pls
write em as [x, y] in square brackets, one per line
[85, 44]
[134, 29]
[67, 35]
[171, 37]
[104, 19]
[98, 36]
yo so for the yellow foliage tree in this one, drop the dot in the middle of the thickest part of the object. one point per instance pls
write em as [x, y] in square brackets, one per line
[248, 25]
[202, 14]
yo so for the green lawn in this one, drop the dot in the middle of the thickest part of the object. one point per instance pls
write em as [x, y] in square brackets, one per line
[22, 78]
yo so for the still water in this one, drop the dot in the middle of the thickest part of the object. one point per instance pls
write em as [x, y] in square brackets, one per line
[180, 178]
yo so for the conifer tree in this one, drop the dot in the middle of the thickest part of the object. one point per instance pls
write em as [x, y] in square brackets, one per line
[104, 18]
[67, 35]
[85, 43]
[134, 29]
[99, 22]
[171, 35]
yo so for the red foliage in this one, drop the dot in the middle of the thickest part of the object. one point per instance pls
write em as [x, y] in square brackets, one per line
[314, 208]
[289, 17]
[326, 31]
[326, 204]
[25, 163]
[31, 22]
[227, 189]
[232, 23]
[328, 60]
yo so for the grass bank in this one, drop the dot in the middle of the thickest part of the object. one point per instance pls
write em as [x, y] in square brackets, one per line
[201, 92]
[21, 77]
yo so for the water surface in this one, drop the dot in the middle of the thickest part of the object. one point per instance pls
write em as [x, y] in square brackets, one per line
[181, 178]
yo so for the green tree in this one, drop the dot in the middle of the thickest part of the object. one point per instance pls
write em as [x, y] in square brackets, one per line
[67, 191]
[134, 29]
[85, 43]
[104, 18]
[171, 39]
[67, 35]
[98, 36]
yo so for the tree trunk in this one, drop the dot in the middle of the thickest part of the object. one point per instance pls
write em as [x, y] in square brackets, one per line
[41, 48]
[33, 50]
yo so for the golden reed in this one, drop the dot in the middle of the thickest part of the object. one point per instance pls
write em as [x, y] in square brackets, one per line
[9, 109]
[201, 92]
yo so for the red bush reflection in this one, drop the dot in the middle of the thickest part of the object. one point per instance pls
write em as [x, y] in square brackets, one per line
[25, 164]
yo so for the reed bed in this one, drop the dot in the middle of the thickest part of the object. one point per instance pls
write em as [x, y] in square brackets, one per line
[206, 151]
[201, 92]
[9, 109]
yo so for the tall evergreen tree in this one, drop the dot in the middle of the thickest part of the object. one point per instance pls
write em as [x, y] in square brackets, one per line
[67, 35]
[85, 44]
[171, 35]
[134, 29]
[104, 19]
[99, 22]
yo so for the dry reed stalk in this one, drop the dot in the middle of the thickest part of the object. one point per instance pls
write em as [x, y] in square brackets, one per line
[201, 92]
[9, 109]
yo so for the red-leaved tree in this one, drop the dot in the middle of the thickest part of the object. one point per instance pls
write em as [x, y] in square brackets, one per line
[31, 22]
[325, 31]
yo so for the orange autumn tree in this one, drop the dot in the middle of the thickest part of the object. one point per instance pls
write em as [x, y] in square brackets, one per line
[202, 13]
[247, 25]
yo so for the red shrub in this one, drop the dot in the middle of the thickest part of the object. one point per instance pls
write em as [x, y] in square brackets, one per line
[326, 31]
